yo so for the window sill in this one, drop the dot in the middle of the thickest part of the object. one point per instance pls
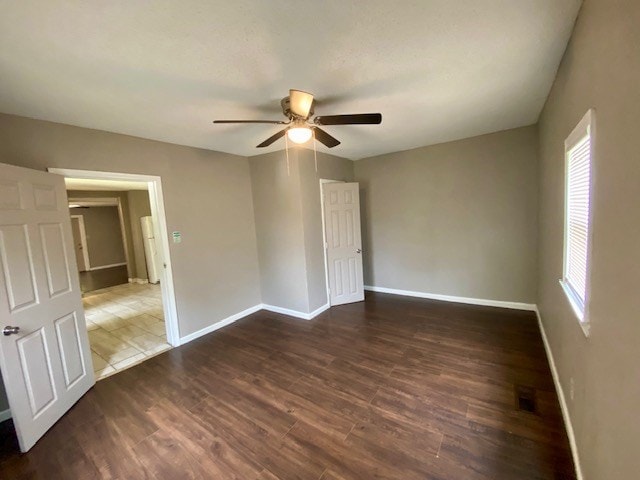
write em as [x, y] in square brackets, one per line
[580, 315]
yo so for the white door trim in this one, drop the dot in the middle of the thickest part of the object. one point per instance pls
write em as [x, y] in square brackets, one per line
[156, 200]
[94, 201]
[324, 236]
[108, 202]
[83, 241]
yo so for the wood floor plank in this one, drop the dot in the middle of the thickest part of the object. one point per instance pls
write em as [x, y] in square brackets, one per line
[329, 421]
[390, 388]
[218, 457]
[110, 451]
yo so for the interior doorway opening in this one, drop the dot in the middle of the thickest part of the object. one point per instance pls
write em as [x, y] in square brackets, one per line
[102, 233]
[122, 249]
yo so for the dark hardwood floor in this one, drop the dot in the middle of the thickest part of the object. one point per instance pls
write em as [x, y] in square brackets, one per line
[106, 277]
[392, 388]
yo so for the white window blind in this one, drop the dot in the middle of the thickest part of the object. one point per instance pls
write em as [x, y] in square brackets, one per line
[577, 222]
[575, 281]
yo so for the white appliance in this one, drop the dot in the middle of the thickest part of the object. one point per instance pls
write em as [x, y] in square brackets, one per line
[150, 250]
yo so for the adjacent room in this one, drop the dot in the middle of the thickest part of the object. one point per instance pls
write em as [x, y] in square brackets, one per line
[319, 240]
[119, 271]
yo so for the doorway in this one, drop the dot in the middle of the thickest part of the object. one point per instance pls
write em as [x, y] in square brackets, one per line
[103, 254]
[127, 289]
[340, 209]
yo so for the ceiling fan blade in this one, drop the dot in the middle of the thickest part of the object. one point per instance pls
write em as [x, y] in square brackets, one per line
[272, 139]
[300, 103]
[356, 119]
[275, 122]
[324, 138]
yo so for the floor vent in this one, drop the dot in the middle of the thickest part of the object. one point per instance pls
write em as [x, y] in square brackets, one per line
[526, 399]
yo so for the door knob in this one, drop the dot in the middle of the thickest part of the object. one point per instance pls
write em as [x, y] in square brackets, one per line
[359, 250]
[10, 330]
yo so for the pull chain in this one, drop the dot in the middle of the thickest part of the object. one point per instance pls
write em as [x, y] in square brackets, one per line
[286, 149]
[315, 158]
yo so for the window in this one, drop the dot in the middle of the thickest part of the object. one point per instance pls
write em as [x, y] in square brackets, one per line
[577, 226]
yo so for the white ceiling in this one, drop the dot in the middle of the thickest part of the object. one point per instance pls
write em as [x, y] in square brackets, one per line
[437, 70]
[107, 185]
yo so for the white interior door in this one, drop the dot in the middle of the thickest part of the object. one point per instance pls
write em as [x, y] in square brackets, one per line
[344, 242]
[77, 228]
[44, 349]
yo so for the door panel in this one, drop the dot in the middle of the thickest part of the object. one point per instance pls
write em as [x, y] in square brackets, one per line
[46, 365]
[56, 261]
[10, 198]
[17, 267]
[349, 228]
[353, 275]
[337, 279]
[45, 197]
[344, 242]
[68, 336]
[335, 229]
[34, 360]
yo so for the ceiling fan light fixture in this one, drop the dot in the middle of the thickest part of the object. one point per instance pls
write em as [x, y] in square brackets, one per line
[299, 134]
[298, 107]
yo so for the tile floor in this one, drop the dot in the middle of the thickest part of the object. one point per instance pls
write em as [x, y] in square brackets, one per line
[126, 326]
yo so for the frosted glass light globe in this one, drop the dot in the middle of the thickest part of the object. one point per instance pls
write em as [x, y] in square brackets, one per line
[299, 134]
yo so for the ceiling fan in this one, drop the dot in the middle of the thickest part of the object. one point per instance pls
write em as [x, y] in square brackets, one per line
[298, 108]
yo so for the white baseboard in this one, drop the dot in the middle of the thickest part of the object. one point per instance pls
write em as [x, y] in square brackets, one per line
[561, 398]
[140, 281]
[102, 267]
[295, 313]
[450, 298]
[222, 323]
[229, 320]
[319, 310]
[5, 415]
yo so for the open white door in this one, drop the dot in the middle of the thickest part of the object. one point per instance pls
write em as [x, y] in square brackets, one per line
[44, 349]
[344, 242]
[80, 242]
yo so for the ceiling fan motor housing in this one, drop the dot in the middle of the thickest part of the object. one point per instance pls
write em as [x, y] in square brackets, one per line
[286, 109]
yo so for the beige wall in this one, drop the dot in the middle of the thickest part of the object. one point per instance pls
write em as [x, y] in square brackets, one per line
[601, 70]
[139, 206]
[207, 197]
[458, 218]
[104, 235]
[278, 220]
[289, 225]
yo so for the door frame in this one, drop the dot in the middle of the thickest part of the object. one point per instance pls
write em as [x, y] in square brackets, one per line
[324, 236]
[156, 200]
[107, 202]
[83, 241]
